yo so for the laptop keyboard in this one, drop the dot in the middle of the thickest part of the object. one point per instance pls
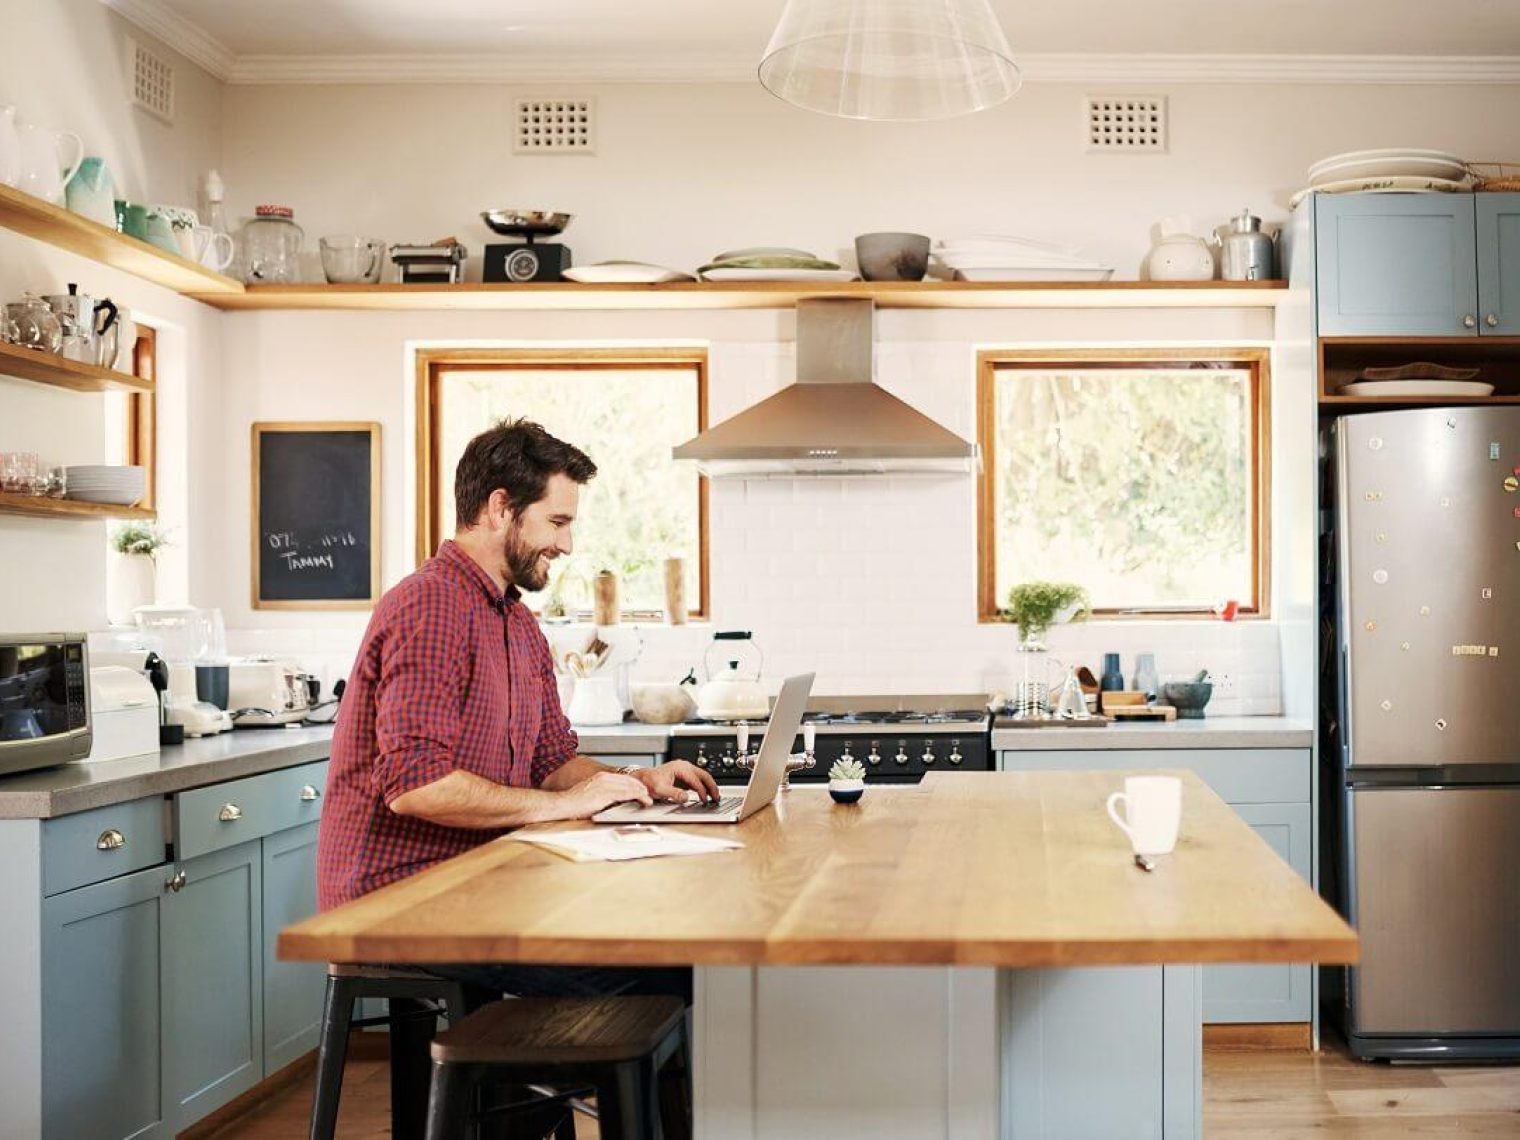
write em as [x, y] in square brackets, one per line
[709, 807]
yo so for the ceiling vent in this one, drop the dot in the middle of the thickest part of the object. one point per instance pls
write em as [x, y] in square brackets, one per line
[555, 126]
[1126, 124]
[152, 83]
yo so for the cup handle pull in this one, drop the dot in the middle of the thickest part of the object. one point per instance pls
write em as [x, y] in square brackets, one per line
[72, 167]
[1113, 812]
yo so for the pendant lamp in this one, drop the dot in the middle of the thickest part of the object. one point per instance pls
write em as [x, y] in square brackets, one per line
[889, 59]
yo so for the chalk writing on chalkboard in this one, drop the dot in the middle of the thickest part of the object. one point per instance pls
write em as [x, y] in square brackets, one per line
[316, 515]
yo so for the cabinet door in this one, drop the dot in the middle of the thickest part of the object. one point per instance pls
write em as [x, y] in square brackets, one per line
[213, 982]
[1498, 264]
[102, 1018]
[292, 990]
[1279, 992]
[1396, 264]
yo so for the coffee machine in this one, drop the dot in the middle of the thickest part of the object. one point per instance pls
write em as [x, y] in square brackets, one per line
[525, 262]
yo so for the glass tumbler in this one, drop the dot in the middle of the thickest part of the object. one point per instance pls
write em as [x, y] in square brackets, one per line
[18, 472]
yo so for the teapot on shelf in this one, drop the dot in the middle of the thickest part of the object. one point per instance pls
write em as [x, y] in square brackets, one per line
[1179, 255]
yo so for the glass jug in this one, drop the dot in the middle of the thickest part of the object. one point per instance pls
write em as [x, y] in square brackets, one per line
[270, 247]
[31, 324]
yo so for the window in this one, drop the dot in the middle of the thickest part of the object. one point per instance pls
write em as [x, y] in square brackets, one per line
[626, 408]
[1139, 474]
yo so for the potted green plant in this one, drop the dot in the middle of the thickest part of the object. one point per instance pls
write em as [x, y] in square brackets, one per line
[1036, 606]
[556, 605]
[133, 572]
[847, 781]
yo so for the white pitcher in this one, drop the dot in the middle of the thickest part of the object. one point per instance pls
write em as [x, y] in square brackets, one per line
[10, 148]
[42, 172]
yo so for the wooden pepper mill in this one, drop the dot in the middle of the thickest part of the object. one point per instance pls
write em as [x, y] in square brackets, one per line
[607, 608]
[675, 591]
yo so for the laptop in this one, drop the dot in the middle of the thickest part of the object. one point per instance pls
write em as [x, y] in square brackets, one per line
[770, 767]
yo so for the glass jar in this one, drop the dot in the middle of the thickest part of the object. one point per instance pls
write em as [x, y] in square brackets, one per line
[270, 247]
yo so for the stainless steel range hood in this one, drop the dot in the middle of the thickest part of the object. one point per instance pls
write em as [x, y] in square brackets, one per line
[834, 420]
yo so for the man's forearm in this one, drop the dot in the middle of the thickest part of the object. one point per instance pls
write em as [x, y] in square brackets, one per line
[463, 799]
[572, 772]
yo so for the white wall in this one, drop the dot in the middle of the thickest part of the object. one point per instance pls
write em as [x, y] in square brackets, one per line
[869, 581]
[62, 64]
[683, 172]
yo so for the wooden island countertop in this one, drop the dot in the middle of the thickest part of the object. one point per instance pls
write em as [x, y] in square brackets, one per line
[1017, 869]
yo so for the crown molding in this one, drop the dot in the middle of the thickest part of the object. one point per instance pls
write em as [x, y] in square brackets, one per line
[175, 32]
[1048, 68]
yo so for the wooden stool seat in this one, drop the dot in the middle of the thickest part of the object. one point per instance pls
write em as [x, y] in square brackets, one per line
[555, 1031]
[620, 1047]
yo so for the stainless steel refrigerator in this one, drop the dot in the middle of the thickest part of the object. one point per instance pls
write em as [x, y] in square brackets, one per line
[1421, 744]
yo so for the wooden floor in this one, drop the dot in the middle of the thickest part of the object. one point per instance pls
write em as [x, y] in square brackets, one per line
[1247, 1092]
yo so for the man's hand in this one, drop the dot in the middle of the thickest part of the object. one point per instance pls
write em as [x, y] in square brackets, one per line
[672, 780]
[602, 791]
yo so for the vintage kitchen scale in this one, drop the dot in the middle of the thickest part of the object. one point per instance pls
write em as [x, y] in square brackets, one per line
[525, 261]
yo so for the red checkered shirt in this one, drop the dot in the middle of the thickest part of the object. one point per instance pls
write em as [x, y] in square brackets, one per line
[453, 674]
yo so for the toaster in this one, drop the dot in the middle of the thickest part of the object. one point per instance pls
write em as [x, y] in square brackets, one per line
[264, 691]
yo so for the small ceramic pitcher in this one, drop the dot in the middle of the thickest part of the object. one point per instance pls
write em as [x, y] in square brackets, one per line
[91, 193]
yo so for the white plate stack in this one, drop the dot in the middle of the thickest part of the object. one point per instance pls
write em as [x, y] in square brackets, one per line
[997, 257]
[1394, 170]
[99, 483]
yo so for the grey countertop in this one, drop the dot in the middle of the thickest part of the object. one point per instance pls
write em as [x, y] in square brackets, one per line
[632, 738]
[232, 755]
[1210, 732]
[210, 760]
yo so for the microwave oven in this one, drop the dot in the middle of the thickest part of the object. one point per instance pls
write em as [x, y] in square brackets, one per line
[44, 700]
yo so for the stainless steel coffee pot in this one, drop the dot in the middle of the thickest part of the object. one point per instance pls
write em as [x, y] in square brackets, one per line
[1246, 253]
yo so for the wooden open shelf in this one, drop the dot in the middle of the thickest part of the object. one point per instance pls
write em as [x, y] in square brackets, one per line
[50, 368]
[35, 506]
[65, 229]
[757, 295]
[1341, 359]
[566, 296]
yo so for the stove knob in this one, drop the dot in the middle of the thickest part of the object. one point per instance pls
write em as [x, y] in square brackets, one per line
[874, 757]
[928, 756]
[701, 756]
[955, 752]
[846, 757]
[902, 753]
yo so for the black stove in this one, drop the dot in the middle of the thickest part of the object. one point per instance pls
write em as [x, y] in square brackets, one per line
[898, 739]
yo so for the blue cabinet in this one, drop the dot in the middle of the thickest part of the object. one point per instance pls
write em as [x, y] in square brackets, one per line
[1272, 790]
[1396, 264]
[1498, 263]
[292, 990]
[103, 1023]
[213, 971]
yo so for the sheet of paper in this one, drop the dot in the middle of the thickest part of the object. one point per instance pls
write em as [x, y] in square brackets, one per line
[631, 841]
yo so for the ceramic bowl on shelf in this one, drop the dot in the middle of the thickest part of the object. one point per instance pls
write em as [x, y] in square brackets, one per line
[892, 256]
[1187, 697]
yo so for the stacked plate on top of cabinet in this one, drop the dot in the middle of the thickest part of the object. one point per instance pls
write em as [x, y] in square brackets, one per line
[1390, 170]
[1420, 378]
[100, 483]
[994, 257]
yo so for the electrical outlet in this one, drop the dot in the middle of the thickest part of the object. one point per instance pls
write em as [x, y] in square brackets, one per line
[1224, 686]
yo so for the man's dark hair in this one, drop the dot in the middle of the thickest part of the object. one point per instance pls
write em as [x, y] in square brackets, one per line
[518, 456]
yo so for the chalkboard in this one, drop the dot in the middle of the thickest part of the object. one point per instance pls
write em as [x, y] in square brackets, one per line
[316, 515]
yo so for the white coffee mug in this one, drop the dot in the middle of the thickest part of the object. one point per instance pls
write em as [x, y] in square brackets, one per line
[1152, 812]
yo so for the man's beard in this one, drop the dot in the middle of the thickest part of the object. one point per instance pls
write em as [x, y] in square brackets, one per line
[524, 562]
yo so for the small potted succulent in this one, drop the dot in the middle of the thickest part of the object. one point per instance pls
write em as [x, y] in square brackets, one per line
[847, 781]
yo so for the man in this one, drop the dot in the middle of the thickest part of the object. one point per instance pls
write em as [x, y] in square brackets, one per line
[451, 731]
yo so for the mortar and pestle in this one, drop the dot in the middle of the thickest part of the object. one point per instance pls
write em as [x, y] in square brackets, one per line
[1188, 697]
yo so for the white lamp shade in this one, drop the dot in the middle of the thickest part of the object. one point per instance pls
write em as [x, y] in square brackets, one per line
[889, 59]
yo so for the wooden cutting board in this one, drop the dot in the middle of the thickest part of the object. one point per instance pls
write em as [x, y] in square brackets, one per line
[1141, 712]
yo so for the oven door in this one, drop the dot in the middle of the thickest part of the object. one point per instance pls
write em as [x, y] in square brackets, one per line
[44, 701]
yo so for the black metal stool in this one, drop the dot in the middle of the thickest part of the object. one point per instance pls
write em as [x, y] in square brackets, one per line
[415, 1001]
[615, 1045]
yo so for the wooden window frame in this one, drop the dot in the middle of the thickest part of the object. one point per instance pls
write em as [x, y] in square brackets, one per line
[1255, 360]
[142, 433]
[433, 368]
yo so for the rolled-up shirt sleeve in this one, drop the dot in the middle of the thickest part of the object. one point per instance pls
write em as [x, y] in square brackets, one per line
[557, 741]
[419, 695]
